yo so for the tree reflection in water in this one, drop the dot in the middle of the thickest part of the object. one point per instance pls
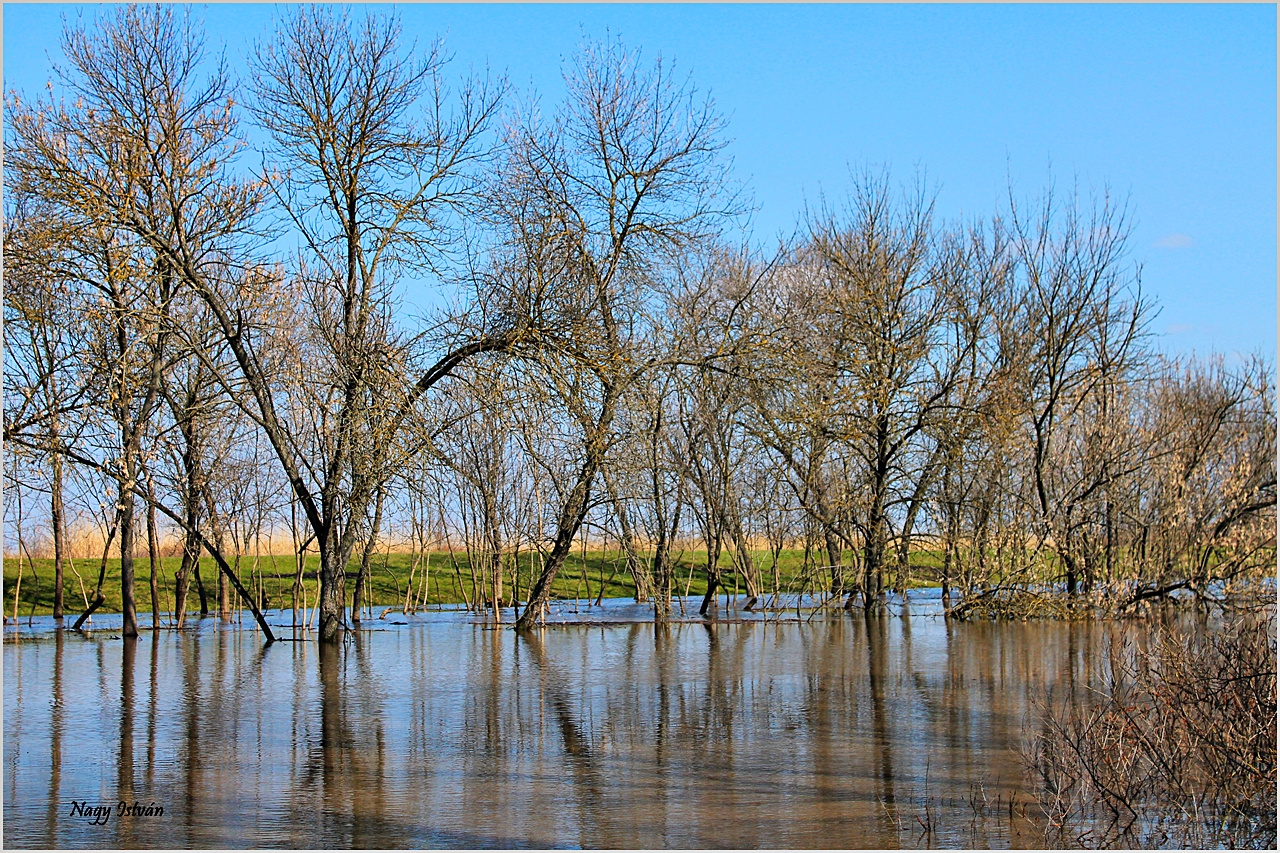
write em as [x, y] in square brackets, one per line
[445, 733]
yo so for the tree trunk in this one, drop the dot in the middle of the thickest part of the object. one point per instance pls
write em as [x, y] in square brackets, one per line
[182, 582]
[713, 573]
[200, 590]
[128, 606]
[494, 558]
[366, 557]
[747, 569]
[224, 590]
[58, 523]
[573, 513]
[191, 508]
[663, 575]
[873, 553]
[874, 548]
[1109, 564]
[333, 594]
[1072, 573]
[493, 546]
[153, 550]
[663, 571]
[635, 565]
[575, 510]
[834, 559]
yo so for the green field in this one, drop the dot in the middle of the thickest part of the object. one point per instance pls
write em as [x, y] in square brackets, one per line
[448, 582]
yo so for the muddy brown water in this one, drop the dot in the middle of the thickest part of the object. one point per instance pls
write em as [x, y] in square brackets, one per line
[842, 731]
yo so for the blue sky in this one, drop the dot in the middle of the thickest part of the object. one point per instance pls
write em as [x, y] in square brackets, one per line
[1173, 106]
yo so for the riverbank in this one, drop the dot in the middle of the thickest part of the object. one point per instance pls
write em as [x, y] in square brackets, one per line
[439, 578]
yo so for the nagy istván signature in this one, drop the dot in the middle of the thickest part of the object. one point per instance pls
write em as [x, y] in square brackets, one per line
[99, 814]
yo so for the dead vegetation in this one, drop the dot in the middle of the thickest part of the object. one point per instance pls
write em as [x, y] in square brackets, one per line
[1175, 745]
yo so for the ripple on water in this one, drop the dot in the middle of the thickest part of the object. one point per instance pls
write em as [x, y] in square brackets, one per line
[606, 731]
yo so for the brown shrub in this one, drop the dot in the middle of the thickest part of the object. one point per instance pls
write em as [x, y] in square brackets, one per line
[1177, 746]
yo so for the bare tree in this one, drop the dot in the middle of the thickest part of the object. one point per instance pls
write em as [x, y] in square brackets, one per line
[43, 334]
[132, 166]
[1201, 512]
[796, 385]
[367, 185]
[627, 171]
[1083, 316]
[886, 308]
[172, 318]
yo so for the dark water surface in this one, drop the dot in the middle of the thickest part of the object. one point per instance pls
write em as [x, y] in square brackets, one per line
[845, 731]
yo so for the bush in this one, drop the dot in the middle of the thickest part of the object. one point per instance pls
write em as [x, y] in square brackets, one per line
[1178, 746]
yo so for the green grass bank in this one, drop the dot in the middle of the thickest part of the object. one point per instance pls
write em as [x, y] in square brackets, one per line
[438, 578]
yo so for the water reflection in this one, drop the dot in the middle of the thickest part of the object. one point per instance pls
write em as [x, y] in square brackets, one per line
[55, 744]
[124, 763]
[829, 733]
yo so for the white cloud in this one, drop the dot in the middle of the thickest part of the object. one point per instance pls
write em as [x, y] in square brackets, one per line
[1174, 241]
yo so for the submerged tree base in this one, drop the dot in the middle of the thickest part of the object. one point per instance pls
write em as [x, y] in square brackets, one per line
[1119, 599]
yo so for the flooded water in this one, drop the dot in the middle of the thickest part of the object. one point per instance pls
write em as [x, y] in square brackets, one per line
[847, 731]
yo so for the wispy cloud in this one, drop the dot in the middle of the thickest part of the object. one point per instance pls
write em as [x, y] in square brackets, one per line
[1174, 241]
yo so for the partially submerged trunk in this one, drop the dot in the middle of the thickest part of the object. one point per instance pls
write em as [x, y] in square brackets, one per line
[835, 559]
[224, 592]
[98, 598]
[571, 516]
[191, 495]
[182, 581]
[153, 552]
[128, 607]
[572, 513]
[877, 522]
[333, 587]
[635, 564]
[713, 572]
[58, 524]
[743, 563]
[366, 558]
[1073, 572]
[667, 522]
[492, 537]
[663, 575]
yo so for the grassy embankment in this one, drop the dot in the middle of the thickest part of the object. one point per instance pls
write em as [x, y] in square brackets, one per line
[449, 580]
